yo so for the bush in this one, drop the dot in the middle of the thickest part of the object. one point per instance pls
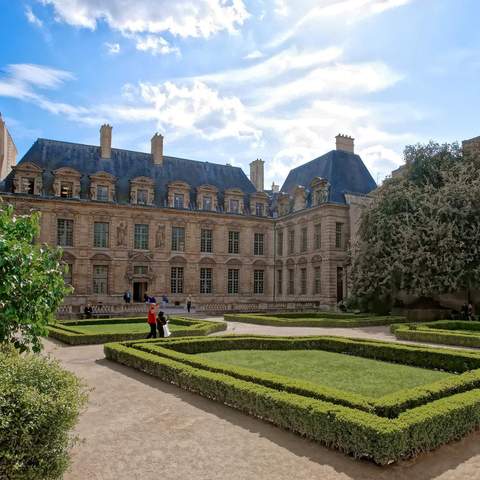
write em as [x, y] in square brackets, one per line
[327, 319]
[39, 405]
[420, 419]
[447, 332]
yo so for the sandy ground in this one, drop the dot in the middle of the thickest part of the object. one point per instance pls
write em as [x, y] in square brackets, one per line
[137, 427]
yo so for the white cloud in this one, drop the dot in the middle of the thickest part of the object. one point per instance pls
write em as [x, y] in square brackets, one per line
[254, 55]
[32, 18]
[184, 18]
[337, 10]
[28, 74]
[156, 45]
[112, 48]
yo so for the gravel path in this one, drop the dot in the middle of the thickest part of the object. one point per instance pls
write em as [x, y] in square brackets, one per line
[139, 428]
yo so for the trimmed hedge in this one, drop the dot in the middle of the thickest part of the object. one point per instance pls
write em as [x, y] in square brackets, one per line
[327, 319]
[39, 405]
[66, 332]
[447, 332]
[422, 419]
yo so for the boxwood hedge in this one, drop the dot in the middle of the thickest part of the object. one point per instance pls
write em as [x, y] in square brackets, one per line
[324, 319]
[385, 429]
[448, 332]
[66, 332]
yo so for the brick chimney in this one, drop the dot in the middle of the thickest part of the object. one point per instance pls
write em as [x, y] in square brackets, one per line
[256, 174]
[106, 141]
[157, 149]
[345, 143]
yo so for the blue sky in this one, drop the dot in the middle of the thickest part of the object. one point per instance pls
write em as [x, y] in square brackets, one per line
[235, 80]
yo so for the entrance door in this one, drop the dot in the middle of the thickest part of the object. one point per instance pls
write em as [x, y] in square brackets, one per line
[339, 284]
[139, 290]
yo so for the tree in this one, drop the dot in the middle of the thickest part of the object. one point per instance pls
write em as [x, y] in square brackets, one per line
[421, 235]
[31, 281]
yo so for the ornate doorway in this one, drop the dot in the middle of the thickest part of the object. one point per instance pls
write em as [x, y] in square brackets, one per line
[139, 290]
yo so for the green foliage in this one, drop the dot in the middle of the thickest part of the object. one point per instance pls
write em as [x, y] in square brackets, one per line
[114, 329]
[447, 332]
[324, 319]
[420, 421]
[31, 281]
[418, 236]
[39, 405]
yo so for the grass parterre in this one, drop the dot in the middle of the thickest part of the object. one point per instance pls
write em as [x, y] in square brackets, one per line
[83, 332]
[398, 421]
[449, 332]
[317, 319]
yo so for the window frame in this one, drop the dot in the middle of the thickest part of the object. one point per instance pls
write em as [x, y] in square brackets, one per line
[177, 280]
[259, 282]
[105, 240]
[233, 242]
[206, 240]
[206, 280]
[65, 238]
[233, 281]
[141, 239]
[258, 243]
[100, 279]
[178, 239]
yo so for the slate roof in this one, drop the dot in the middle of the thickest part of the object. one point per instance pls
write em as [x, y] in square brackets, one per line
[345, 172]
[126, 165]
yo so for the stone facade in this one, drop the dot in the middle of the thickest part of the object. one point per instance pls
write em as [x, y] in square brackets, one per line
[8, 150]
[218, 244]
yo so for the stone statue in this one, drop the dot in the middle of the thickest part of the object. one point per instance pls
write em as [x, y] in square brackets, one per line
[121, 235]
[92, 192]
[160, 237]
[133, 196]
[56, 188]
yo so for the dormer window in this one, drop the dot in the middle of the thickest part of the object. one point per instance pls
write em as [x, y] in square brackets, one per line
[28, 185]
[207, 202]
[142, 196]
[234, 206]
[320, 188]
[66, 189]
[102, 193]
[259, 209]
[178, 201]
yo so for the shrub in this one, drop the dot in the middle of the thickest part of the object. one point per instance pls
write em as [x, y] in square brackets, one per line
[421, 418]
[39, 405]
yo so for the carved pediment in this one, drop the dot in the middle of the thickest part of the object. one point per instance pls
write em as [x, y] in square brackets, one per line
[177, 259]
[180, 184]
[316, 259]
[67, 172]
[101, 257]
[206, 188]
[259, 263]
[302, 261]
[234, 191]
[27, 167]
[290, 262]
[139, 257]
[147, 181]
[206, 261]
[233, 261]
[103, 176]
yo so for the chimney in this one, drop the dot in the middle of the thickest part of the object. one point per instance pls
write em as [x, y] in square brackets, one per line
[106, 141]
[157, 149]
[471, 147]
[345, 143]
[275, 188]
[256, 174]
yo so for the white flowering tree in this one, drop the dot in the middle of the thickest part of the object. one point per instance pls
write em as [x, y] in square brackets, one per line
[421, 234]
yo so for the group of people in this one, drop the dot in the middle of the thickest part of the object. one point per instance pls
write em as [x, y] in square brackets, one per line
[467, 311]
[157, 322]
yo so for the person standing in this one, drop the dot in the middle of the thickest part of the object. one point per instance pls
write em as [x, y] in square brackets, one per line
[88, 311]
[470, 311]
[164, 300]
[152, 322]
[127, 296]
[161, 322]
[189, 303]
[166, 330]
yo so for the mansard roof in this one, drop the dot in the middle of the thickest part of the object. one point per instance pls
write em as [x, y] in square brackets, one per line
[345, 172]
[126, 165]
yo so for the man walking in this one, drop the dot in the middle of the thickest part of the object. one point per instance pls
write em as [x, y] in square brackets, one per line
[152, 322]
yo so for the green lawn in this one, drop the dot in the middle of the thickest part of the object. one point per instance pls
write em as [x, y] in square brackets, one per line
[364, 376]
[118, 328]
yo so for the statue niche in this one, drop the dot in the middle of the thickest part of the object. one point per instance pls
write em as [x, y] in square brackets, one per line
[122, 235]
[160, 237]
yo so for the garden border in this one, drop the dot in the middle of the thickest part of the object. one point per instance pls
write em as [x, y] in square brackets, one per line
[418, 427]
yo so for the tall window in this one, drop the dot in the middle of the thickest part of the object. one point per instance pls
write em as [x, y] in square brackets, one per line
[178, 239]
[259, 209]
[67, 273]
[102, 193]
[291, 242]
[279, 244]
[176, 279]
[140, 238]
[66, 189]
[258, 239]
[207, 202]
[28, 185]
[206, 241]
[258, 286]
[318, 237]
[280, 282]
[291, 281]
[206, 280]
[304, 239]
[142, 196]
[303, 281]
[100, 279]
[234, 206]
[317, 282]
[100, 234]
[339, 235]
[65, 232]
[232, 283]
[233, 242]
[178, 200]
